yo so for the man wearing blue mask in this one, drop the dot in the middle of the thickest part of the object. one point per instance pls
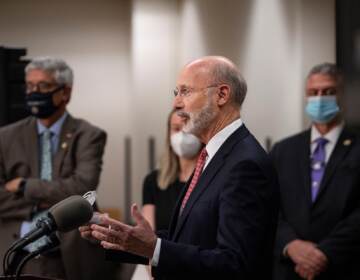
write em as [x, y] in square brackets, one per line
[318, 235]
[45, 158]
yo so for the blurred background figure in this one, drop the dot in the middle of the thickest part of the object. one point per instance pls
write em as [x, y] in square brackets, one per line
[45, 158]
[318, 233]
[163, 187]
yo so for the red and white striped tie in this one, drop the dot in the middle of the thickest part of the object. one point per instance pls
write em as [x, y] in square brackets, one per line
[198, 170]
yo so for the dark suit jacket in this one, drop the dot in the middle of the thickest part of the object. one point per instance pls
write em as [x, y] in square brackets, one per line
[227, 228]
[76, 170]
[333, 220]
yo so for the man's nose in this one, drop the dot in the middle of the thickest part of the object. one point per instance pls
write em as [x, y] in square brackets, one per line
[321, 92]
[178, 104]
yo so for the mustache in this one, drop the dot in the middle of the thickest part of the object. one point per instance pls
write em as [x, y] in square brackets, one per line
[183, 114]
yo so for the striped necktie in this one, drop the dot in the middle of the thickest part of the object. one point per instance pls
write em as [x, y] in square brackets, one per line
[45, 174]
[198, 170]
[46, 156]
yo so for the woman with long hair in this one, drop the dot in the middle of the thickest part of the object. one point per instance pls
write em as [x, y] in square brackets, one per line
[162, 187]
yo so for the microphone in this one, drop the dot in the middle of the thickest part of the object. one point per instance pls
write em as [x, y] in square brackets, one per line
[64, 216]
[53, 242]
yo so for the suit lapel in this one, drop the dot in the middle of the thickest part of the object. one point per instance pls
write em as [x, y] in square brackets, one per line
[304, 165]
[206, 177]
[342, 147]
[200, 187]
[66, 137]
[175, 214]
[32, 146]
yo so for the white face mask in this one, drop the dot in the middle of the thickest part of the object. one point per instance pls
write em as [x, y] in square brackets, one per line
[184, 144]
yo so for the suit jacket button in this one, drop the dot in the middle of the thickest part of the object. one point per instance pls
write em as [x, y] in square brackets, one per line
[15, 235]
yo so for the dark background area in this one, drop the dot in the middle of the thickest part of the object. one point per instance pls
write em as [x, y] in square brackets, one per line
[12, 85]
[348, 55]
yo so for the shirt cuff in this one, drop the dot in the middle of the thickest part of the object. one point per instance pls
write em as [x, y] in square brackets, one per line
[156, 256]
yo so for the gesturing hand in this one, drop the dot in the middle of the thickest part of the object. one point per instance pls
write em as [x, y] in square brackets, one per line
[139, 239]
[86, 231]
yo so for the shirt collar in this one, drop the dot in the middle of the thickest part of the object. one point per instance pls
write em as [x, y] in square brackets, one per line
[55, 128]
[332, 136]
[219, 138]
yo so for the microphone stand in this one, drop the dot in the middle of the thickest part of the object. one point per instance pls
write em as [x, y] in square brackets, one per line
[53, 242]
[43, 224]
[64, 216]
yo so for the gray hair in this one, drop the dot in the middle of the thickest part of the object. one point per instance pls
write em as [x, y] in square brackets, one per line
[327, 68]
[226, 73]
[60, 70]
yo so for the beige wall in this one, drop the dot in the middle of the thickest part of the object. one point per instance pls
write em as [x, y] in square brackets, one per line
[153, 58]
[274, 42]
[317, 36]
[126, 55]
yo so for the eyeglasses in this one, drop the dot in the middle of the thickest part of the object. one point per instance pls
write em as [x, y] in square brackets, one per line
[324, 92]
[186, 91]
[42, 87]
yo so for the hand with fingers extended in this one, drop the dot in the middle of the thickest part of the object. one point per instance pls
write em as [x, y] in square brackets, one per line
[139, 239]
[86, 231]
[309, 260]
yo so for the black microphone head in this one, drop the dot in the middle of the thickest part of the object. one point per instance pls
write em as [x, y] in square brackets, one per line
[71, 213]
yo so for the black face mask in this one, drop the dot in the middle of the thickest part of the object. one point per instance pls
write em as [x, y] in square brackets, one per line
[41, 105]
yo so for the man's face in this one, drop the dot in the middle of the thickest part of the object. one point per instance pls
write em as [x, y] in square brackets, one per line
[322, 85]
[41, 81]
[194, 101]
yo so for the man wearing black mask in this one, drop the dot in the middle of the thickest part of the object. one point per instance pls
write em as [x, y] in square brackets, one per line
[44, 159]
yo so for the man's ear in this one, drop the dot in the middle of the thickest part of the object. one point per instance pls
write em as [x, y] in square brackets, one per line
[67, 94]
[223, 95]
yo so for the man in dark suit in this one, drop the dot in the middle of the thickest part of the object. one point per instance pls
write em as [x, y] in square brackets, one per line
[224, 223]
[319, 228]
[37, 172]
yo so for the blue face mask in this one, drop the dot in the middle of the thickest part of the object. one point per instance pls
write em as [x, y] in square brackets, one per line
[322, 109]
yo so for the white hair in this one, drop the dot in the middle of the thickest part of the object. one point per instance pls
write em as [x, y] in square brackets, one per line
[327, 68]
[226, 72]
[60, 70]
